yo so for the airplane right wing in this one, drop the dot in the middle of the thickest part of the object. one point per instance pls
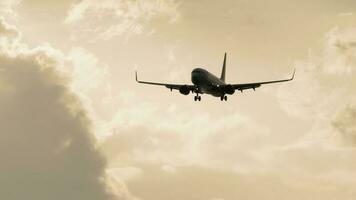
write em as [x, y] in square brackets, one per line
[183, 89]
[245, 86]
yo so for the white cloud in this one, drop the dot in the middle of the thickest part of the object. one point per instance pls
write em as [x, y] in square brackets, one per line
[9, 36]
[86, 73]
[110, 18]
[7, 7]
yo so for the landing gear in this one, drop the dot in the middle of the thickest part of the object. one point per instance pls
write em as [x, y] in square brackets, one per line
[222, 98]
[197, 98]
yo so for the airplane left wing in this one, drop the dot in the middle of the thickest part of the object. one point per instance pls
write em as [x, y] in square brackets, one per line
[245, 86]
[184, 89]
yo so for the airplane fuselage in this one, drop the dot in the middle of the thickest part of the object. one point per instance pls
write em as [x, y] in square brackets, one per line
[207, 82]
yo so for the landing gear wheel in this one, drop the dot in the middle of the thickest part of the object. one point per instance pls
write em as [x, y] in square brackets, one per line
[199, 98]
[222, 98]
[195, 98]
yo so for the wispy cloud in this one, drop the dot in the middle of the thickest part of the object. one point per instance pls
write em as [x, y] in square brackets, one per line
[110, 18]
[7, 7]
[344, 123]
[324, 85]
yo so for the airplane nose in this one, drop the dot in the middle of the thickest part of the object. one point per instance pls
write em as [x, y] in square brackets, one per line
[196, 78]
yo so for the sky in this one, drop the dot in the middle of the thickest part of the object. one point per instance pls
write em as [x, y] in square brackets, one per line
[76, 125]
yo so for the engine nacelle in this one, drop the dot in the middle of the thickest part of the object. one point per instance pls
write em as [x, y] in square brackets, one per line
[228, 89]
[184, 90]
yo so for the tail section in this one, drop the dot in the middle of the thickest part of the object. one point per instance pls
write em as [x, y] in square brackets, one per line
[223, 69]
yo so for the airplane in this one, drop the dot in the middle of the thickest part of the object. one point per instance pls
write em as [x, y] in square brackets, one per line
[205, 82]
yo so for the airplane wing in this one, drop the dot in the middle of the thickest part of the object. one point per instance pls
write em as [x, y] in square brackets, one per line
[245, 86]
[183, 88]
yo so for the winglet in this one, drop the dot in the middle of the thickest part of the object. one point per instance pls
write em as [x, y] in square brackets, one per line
[136, 76]
[293, 74]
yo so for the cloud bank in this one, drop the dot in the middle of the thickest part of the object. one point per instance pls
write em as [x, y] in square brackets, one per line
[47, 148]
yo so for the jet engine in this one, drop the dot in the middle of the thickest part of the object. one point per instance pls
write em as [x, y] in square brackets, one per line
[228, 89]
[184, 90]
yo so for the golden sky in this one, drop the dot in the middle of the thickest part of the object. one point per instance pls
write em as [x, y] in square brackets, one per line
[76, 125]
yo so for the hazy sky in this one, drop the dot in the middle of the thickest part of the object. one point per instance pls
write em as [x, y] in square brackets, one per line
[75, 124]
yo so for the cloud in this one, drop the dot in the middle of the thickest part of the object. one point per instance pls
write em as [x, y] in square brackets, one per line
[344, 46]
[142, 145]
[7, 31]
[230, 164]
[188, 151]
[201, 183]
[324, 83]
[344, 123]
[199, 155]
[148, 132]
[323, 90]
[110, 18]
[47, 147]
[7, 7]
[8, 36]
[340, 51]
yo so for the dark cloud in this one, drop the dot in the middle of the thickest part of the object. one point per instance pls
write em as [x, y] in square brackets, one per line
[345, 124]
[344, 46]
[47, 149]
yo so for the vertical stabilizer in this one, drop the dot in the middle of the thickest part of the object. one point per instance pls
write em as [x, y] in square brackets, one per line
[223, 69]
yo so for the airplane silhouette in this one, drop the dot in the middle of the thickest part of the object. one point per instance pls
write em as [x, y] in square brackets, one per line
[205, 82]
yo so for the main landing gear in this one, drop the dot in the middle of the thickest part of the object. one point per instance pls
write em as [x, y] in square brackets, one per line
[222, 98]
[197, 98]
